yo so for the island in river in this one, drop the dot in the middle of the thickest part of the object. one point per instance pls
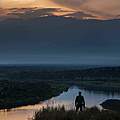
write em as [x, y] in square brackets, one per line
[111, 104]
[25, 85]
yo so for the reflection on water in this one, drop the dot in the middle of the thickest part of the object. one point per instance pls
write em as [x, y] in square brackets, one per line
[66, 99]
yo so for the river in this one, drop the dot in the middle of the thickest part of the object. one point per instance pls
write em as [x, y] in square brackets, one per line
[92, 98]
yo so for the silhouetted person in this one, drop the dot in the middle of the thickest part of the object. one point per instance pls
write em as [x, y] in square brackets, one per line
[79, 102]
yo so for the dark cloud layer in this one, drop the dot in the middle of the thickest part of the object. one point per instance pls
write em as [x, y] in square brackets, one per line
[104, 9]
[33, 12]
[59, 40]
[28, 13]
[80, 15]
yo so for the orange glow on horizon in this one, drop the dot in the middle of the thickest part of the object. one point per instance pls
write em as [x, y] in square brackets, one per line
[99, 9]
[6, 4]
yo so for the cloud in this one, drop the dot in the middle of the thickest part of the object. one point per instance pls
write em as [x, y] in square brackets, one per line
[29, 13]
[71, 3]
[26, 3]
[80, 15]
[12, 3]
[104, 8]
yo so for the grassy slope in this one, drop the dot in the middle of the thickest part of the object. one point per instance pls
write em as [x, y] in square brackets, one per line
[89, 114]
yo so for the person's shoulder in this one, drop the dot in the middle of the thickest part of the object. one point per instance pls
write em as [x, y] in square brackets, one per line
[77, 96]
[82, 96]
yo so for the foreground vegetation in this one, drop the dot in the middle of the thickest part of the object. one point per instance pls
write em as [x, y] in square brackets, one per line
[89, 114]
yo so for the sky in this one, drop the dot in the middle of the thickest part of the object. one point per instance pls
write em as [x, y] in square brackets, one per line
[40, 37]
[102, 9]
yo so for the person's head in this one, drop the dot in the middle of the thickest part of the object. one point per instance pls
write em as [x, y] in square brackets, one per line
[79, 93]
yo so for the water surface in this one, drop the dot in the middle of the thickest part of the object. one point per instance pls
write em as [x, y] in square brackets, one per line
[93, 98]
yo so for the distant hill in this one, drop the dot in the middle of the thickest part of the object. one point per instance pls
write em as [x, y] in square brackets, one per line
[59, 73]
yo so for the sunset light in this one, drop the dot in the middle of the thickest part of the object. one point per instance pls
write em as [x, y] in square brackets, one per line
[59, 59]
[99, 9]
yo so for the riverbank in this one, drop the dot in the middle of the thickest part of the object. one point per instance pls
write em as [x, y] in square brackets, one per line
[89, 114]
[21, 93]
